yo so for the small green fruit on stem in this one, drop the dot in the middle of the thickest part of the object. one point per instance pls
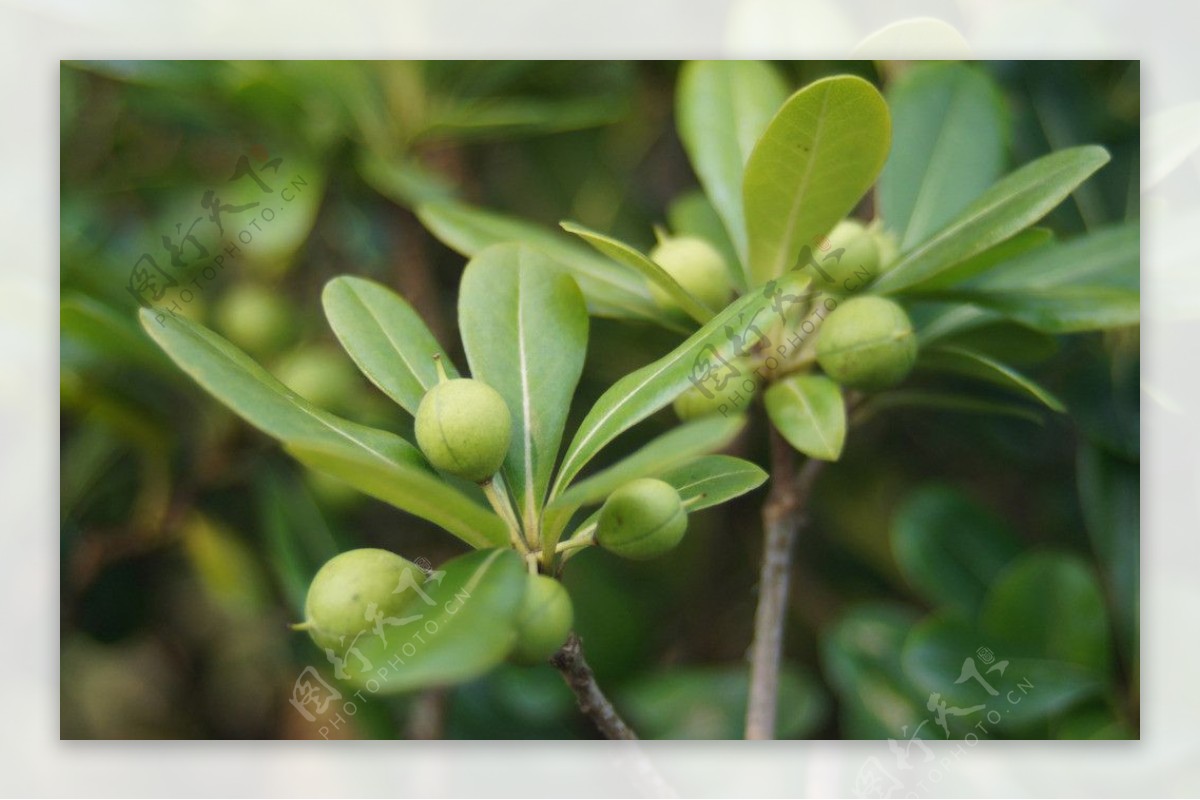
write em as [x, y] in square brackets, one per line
[867, 343]
[543, 622]
[464, 427]
[643, 519]
[859, 260]
[355, 588]
[698, 268]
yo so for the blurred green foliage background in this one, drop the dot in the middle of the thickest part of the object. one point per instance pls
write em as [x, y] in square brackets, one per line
[188, 539]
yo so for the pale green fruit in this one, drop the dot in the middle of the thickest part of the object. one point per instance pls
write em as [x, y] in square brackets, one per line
[867, 343]
[255, 318]
[344, 589]
[643, 519]
[693, 404]
[698, 268]
[322, 375]
[859, 262]
[463, 427]
[543, 622]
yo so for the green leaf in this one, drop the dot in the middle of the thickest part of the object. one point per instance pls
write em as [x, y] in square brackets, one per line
[941, 653]
[1049, 605]
[949, 548]
[1012, 204]
[467, 627]
[1065, 309]
[721, 110]
[942, 401]
[402, 180]
[810, 413]
[525, 328]
[860, 656]
[1024, 242]
[949, 133]
[97, 326]
[363, 456]
[691, 214]
[1003, 340]
[714, 480]
[710, 703]
[674, 448]
[611, 289]
[297, 538]
[639, 394]
[1106, 257]
[1109, 492]
[386, 338]
[964, 361]
[408, 484]
[817, 158]
[631, 257]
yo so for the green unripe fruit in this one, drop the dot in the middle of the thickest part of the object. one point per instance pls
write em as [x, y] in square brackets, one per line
[643, 519]
[867, 343]
[697, 266]
[693, 404]
[320, 374]
[340, 598]
[889, 248]
[463, 427]
[859, 261]
[254, 318]
[543, 622]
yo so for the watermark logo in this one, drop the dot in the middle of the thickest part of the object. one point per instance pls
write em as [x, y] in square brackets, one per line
[923, 769]
[187, 262]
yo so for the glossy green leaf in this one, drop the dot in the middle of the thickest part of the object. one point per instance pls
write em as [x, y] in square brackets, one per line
[674, 448]
[712, 480]
[710, 703]
[817, 158]
[635, 259]
[721, 110]
[1064, 309]
[948, 657]
[1110, 495]
[1010, 249]
[949, 134]
[365, 457]
[942, 401]
[611, 289]
[408, 484]
[1049, 605]
[860, 657]
[97, 326]
[1012, 204]
[639, 394]
[972, 364]
[465, 626]
[810, 413]
[692, 214]
[525, 328]
[1106, 257]
[387, 339]
[949, 548]
[1005, 341]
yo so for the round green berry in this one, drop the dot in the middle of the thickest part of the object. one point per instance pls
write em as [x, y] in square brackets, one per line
[543, 622]
[463, 427]
[694, 403]
[697, 266]
[255, 318]
[354, 589]
[643, 519]
[859, 261]
[867, 343]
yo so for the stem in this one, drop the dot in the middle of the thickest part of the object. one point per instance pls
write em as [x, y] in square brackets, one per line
[783, 516]
[583, 537]
[570, 662]
[501, 506]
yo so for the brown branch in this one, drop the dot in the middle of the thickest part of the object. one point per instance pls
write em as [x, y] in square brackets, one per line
[570, 662]
[783, 516]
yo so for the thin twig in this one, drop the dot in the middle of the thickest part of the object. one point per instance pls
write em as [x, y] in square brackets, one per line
[570, 662]
[783, 515]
